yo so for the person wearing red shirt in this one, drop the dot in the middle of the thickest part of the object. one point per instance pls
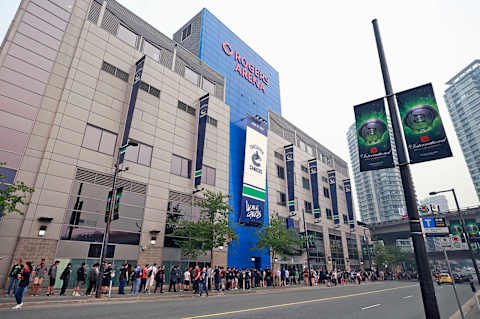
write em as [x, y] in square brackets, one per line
[143, 282]
[22, 286]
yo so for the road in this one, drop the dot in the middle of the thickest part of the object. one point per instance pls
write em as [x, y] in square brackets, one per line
[383, 300]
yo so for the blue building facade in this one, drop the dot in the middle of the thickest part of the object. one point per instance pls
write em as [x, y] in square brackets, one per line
[252, 87]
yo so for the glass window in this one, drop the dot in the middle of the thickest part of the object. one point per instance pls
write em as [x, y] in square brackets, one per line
[126, 35]
[329, 213]
[208, 86]
[99, 140]
[145, 155]
[281, 172]
[208, 175]
[345, 219]
[326, 193]
[187, 31]
[192, 76]
[151, 50]
[132, 154]
[107, 143]
[305, 183]
[282, 199]
[181, 166]
[7, 175]
[92, 137]
[308, 207]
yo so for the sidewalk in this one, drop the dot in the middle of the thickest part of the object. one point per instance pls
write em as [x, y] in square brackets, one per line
[6, 302]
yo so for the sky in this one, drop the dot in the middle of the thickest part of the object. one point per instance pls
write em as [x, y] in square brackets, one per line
[326, 56]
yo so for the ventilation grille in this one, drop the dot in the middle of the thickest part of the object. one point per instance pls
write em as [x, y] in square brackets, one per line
[94, 13]
[110, 22]
[106, 180]
[178, 197]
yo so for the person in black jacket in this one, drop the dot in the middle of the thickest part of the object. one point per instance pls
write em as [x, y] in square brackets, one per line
[65, 276]
[24, 277]
[81, 278]
[93, 275]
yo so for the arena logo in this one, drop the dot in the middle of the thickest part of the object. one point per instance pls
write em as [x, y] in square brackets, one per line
[246, 69]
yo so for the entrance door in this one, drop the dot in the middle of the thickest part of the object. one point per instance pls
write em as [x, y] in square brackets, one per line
[258, 262]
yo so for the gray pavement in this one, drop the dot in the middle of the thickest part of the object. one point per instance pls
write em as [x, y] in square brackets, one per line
[385, 300]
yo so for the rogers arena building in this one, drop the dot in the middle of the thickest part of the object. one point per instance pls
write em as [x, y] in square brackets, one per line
[251, 87]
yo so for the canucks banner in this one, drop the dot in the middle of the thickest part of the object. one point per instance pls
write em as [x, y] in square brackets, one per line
[137, 79]
[472, 230]
[312, 168]
[289, 163]
[332, 180]
[422, 125]
[202, 124]
[254, 173]
[347, 187]
[373, 139]
[456, 227]
[290, 223]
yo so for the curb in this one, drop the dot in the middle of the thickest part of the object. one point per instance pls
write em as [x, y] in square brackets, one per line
[466, 308]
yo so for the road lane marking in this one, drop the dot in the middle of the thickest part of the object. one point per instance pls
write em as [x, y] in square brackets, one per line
[296, 303]
[372, 306]
[406, 297]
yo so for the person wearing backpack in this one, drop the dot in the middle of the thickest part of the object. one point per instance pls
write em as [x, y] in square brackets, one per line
[65, 276]
[52, 273]
[159, 279]
[14, 276]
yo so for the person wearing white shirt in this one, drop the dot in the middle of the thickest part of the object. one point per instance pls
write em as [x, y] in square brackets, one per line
[151, 271]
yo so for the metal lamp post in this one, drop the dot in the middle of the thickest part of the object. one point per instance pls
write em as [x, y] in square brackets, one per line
[106, 235]
[464, 229]
[307, 248]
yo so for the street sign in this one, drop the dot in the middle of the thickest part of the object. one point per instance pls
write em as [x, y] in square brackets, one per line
[456, 241]
[445, 242]
[434, 226]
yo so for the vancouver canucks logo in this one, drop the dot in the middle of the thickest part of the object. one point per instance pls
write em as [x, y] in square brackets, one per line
[138, 76]
[420, 118]
[203, 111]
[256, 159]
[347, 188]
[289, 156]
[313, 170]
[331, 180]
[372, 131]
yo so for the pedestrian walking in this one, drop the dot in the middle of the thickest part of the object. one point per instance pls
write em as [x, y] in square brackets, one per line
[81, 278]
[123, 279]
[39, 276]
[203, 281]
[159, 279]
[52, 274]
[14, 276]
[24, 280]
[173, 279]
[65, 276]
[93, 276]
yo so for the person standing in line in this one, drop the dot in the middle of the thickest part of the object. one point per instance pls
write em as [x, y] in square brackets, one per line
[186, 280]
[65, 276]
[203, 281]
[92, 279]
[152, 272]
[52, 273]
[25, 274]
[143, 281]
[123, 279]
[159, 279]
[106, 277]
[173, 279]
[40, 273]
[196, 279]
[14, 276]
[81, 278]
[138, 279]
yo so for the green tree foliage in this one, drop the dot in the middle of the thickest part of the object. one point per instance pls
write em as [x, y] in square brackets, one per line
[393, 256]
[211, 230]
[280, 240]
[12, 195]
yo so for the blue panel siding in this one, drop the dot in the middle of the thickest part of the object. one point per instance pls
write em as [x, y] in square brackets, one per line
[243, 97]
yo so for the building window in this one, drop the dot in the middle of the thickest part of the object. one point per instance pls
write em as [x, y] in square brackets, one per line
[329, 213]
[278, 155]
[141, 154]
[341, 187]
[208, 86]
[282, 198]
[208, 175]
[211, 121]
[151, 50]
[113, 70]
[345, 219]
[126, 35]
[186, 31]
[280, 171]
[305, 183]
[181, 166]
[187, 108]
[304, 169]
[308, 207]
[324, 179]
[192, 76]
[99, 140]
[149, 89]
[326, 193]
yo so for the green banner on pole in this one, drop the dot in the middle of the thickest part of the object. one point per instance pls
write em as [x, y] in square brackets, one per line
[422, 125]
[456, 228]
[472, 229]
[374, 148]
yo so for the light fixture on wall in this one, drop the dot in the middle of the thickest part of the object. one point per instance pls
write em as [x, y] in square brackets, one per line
[253, 259]
[153, 238]
[42, 230]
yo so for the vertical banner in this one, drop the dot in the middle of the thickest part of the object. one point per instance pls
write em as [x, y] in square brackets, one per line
[290, 223]
[472, 230]
[254, 173]
[347, 187]
[422, 125]
[312, 169]
[290, 168]
[116, 205]
[332, 180]
[202, 125]
[131, 107]
[456, 228]
[373, 138]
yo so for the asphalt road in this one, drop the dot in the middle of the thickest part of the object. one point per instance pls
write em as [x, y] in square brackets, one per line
[384, 300]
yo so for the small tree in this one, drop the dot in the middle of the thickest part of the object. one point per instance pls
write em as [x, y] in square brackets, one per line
[210, 231]
[280, 240]
[12, 194]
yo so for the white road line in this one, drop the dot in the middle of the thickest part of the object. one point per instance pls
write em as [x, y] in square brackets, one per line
[406, 297]
[373, 306]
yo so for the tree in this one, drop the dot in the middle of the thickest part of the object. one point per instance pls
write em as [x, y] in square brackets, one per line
[211, 230]
[12, 195]
[280, 240]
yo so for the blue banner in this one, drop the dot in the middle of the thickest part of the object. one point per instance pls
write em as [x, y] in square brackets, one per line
[348, 196]
[202, 125]
[332, 180]
[312, 169]
[131, 107]
[290, 223]
[254, 173]
[289, 163]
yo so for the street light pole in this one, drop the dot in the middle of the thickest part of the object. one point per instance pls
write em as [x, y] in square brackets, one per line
[307, 248]
[426, 283]
[464, 227]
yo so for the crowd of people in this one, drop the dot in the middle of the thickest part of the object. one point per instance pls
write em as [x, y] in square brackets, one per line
[199, 280]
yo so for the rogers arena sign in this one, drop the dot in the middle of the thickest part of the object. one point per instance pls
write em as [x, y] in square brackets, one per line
[245, 69]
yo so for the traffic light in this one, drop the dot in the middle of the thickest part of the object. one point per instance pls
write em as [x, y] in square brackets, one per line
[116, 206]
[108, 207]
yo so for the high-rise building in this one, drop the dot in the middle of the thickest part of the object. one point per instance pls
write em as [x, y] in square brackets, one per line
[463, 103]
[440, 202]
[379, 192]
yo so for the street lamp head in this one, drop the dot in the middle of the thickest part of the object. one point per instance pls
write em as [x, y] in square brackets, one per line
[132, 143]
[432, 193]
